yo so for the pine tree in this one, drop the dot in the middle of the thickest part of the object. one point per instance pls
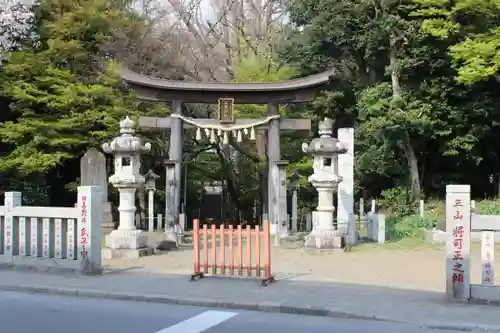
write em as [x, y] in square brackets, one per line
[63, 95]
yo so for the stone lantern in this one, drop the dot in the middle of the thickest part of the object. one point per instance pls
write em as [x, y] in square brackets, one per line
[127, 241]
[325, 179]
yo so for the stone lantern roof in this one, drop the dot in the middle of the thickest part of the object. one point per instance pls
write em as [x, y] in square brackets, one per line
[151, 175]
[325, 144]
[126, 143]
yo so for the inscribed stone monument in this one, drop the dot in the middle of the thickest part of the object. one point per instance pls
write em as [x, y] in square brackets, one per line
[93, 173]
[458, 227]
[345, 192]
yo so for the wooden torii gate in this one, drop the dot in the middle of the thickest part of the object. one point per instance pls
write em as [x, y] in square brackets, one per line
[225, 94]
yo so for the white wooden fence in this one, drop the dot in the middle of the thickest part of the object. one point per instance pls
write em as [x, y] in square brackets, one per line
[52, 237]
[459, 225]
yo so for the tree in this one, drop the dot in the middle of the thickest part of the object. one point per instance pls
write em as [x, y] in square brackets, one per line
[474, 26]
[15, 25]
[396, 85]
[63, 96]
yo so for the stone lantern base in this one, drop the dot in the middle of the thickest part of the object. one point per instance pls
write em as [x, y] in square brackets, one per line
[324, 239]
[276, 228]
[126, 244]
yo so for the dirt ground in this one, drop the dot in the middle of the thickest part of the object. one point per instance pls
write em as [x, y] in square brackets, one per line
[404, 265]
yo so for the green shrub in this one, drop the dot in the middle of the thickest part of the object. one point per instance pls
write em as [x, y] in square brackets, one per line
[488, 207]
[434, 209]
[396, 201]
[441, 224]
[407, 226]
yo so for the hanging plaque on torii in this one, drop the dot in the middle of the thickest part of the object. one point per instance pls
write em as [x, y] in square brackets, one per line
[225, 111]
[225, 127]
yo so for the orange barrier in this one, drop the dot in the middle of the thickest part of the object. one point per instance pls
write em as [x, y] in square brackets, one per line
[202, 237]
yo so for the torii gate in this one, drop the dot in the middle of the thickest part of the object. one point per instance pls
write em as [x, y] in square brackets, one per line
[225, 94]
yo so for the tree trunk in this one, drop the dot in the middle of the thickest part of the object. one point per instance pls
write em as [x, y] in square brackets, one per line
[393, 62]
[498, 193]
[411, 156]
[413, 166]
[261, 143]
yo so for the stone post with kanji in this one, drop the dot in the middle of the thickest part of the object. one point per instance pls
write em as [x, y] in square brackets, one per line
[458, 227]
[88, 229]
[294, 187]
[126, 241]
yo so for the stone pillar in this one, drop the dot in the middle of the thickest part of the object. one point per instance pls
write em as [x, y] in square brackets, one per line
[127, 209]
[159, 221]
[361, 210]
[294, 211]
[93, 173]
[352, 232]
[345, 193]
[279, 228]
[325, 207]
[150, 178]
[12, 200]
[182, 225]
[273, 204]
[309, 221]
[151, 210]
[376, 227]
[170, 198]
[274, 155]
[380, 228]
[89, 229]
[175, 154]
[458, 223]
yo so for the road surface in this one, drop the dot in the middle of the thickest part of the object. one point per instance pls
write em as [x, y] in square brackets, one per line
[26, 313]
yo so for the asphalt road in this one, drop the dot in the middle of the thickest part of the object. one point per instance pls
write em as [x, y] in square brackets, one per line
[26, 313]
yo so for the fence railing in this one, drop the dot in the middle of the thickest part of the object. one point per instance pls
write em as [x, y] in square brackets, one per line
[214, 251]
[52, 237]
[459, 225]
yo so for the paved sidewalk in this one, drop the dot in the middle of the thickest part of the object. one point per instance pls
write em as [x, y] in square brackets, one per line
[300, 297]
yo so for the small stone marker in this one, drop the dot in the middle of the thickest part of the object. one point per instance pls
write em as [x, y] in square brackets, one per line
[488, 258]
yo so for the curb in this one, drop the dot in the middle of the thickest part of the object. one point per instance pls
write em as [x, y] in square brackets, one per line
[264, 306]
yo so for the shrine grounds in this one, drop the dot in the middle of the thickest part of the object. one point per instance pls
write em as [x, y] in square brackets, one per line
[406, 261]
[410, 263]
